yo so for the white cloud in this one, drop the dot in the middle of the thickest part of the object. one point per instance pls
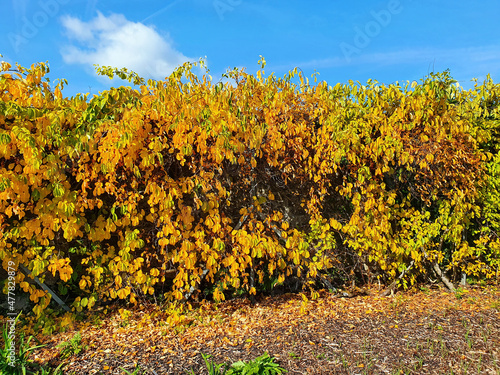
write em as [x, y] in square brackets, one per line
[117, 42]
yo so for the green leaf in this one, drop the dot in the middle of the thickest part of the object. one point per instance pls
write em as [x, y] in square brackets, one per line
[5, 138]
[58, 190]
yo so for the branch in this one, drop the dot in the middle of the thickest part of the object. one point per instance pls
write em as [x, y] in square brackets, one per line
[394, 283]
[443, 277]
[192, 288]
[438, 271]
[44, 287]
[436, 268]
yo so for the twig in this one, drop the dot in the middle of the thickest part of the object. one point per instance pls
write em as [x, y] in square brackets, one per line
[56, 298]
[393, 285]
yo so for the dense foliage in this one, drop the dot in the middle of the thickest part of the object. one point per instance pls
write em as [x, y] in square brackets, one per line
[185, 185]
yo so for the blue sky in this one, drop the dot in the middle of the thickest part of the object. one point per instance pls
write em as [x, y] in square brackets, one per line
[390, 40]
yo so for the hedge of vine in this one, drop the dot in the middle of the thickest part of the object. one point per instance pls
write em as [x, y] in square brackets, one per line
[185, 184]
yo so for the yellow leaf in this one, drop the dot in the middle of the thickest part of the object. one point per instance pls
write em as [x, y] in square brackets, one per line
[154, 272]
[177, 294]
[122, 293]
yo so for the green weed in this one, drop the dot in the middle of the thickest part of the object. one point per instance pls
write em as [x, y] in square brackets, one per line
[72, 347]
[263, 365]
[13, 363]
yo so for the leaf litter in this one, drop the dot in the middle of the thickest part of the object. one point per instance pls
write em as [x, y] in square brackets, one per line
[415, 332]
